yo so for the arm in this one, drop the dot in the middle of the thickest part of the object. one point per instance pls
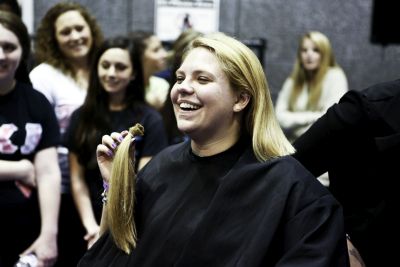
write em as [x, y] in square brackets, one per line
[323, 144]
[48, 178]
[291, 120]
[80, 193]
[334, 87]
[22, 171]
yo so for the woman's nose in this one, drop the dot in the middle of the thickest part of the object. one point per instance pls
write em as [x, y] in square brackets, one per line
[184, 87]
[75, 35]
[111, 71]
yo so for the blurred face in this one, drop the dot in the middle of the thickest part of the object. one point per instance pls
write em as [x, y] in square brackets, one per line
[73, 35]
[10, 54]
[154, 58]
[115, 70]
[310, 55]
[202, 97]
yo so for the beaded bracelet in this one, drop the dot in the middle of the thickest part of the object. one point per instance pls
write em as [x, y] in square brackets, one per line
[104, 194]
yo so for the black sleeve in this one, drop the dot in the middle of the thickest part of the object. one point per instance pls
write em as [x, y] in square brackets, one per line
[41, 109]
[329, 136]
[69, 136]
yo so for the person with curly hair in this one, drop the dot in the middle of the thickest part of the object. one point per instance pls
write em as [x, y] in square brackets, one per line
[66, 40]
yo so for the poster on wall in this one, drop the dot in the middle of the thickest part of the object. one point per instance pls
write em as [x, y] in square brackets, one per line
[174, 16]
[27, 13]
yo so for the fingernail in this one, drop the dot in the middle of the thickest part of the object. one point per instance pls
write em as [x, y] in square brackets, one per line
[113, 145]
[120, 138]
[110, 153]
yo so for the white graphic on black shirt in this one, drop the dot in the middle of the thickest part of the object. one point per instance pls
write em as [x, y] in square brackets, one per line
[33, 135]
[6, 131]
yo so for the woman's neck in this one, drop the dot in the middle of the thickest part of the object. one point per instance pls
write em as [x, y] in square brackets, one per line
[206, 148]
[116, 102]
[7, 86]
[146, 76]
[82, 78]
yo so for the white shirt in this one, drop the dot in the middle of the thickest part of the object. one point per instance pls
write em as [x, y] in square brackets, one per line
[156, 92]
[296, 122]
[61, 90]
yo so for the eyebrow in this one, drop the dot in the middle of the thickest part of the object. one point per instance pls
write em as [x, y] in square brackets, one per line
[196, 72]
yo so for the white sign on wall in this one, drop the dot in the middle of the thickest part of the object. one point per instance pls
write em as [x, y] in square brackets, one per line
[27, 13]
[174, 16]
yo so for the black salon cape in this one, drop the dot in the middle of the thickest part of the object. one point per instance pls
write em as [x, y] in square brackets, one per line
[358, 142]
[229, 210]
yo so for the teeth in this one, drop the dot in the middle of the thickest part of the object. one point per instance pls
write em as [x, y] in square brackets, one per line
[188, 106]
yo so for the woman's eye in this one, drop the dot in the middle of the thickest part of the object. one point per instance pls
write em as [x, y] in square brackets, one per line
[120, 67]
[203, 79]
[8, 48]
[179, 79]
[65, 32]
[79, 28]
[105, 65]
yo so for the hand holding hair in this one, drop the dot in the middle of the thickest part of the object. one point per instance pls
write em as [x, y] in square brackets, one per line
[121, 195]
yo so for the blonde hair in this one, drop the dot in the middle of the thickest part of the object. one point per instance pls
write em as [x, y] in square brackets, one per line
[246, 74]
[300, 77]
[121, 195]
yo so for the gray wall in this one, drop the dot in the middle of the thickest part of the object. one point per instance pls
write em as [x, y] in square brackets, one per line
[280, 22]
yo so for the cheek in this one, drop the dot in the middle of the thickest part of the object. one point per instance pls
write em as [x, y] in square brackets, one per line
[60, 38]
[173, 94]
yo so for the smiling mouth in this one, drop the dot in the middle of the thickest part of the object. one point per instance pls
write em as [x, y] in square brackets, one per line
[188, 107]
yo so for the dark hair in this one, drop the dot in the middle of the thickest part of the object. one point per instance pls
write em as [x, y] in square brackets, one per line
[139, 38]
[11, 6]
[14, 23]
[46, 46]
[94, 117]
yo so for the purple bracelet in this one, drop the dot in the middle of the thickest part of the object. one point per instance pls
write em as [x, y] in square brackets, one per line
[105, 185]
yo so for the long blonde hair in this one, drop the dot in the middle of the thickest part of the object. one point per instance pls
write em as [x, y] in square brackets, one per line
[300, 77]
[246, 74]
[121, 195]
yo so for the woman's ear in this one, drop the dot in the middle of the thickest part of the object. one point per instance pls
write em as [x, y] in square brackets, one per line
[242, 100]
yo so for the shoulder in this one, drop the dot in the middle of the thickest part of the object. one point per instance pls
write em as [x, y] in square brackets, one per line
[149, 113]
[43, 69]
[382, 101]
[292, 176]
[157, 81]
[288, 83]
[288, 168]
[76, 113]
[284, 177]
[382, 91]
[163, 160]
[284, 169]
[30, 93]
[335, 73]
[376, 94]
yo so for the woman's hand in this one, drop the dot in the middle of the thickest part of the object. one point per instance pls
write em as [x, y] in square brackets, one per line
[92, 235]
[105, 152]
